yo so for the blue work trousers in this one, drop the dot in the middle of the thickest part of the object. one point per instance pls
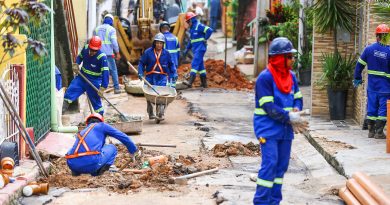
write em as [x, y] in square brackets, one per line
[157, 79]
[197, 64]
[92, 163]
[78, 86]
[213, 23]
[275, 159]
[113, 71]
[376, 105]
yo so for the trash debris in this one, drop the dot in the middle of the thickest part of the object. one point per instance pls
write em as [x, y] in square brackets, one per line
[253, 177]
[236, 148]
[216, 76]
[7, 166]
[35, 189]
[219, 198]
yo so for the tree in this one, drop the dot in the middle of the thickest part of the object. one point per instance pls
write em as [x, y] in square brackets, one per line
[18, 15]
[381, 8]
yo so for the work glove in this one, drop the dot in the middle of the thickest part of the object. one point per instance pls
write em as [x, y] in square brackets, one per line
[356, 83]
[300, 127]
[295, 117]
[101, 91]
[75, 68]
[140, 76]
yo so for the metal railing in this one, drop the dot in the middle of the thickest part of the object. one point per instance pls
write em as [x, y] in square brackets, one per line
[8, 128]
[72, 30]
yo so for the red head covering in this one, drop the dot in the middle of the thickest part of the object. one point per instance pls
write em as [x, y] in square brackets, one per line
[281, 73]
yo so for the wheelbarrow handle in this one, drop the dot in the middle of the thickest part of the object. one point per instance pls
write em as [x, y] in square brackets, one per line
[89, 82]
[143, 78]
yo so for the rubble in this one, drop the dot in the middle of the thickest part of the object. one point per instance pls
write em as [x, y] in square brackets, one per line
[216, 76]
[236, 148]
[156, 176]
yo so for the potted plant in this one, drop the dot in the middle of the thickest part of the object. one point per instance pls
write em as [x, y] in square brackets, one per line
[304, 68]
[331, 15]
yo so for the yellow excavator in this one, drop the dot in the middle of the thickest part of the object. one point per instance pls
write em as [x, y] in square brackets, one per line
[134, 39]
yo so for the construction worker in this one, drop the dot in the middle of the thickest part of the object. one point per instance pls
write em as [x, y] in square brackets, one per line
[199, 35]
[277, 101]
[376, 57]
[89, 154]
[107, 34]
[157, 64]
[172, 46]
[215, 13]
[95, 69]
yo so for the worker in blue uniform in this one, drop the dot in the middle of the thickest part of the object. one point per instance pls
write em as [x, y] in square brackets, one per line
[376, 57]
[95, 69]
[199, 34]
[89, 154]
[173, 47]
[278, 100]
[157, 65]
[215, 13]
[107, 34]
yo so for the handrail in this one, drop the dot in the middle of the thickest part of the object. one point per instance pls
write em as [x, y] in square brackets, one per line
[72, 30]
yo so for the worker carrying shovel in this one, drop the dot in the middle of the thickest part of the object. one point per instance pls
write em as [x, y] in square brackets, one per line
[275, 120]
[95, 69]
[89, 154]
[157, 64]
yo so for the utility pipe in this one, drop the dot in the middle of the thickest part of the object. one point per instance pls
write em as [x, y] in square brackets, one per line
[374, 190]
[55, 127]
[348, 197]
[361, 194]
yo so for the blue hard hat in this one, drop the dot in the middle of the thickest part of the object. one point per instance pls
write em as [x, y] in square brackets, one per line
[159, 37]
[281, 45]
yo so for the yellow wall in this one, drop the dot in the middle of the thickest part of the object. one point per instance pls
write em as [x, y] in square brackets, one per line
[80, 11]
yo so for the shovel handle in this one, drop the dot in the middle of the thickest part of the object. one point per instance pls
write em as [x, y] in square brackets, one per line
[143, 78]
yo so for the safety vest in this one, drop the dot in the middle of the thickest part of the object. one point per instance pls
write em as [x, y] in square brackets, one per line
[82, 142]
[157, 64]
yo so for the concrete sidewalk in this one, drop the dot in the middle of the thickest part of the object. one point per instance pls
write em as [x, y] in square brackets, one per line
[348, 149]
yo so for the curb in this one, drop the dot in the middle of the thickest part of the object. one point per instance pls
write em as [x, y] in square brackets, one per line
[10, 194]
[328, 157]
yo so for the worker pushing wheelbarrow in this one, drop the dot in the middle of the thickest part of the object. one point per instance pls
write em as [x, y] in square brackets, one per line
[160, 76]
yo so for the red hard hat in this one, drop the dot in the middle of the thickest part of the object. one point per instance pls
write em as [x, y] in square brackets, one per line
[382, 28]
[95, 43]
[94, 115]
[190, 15]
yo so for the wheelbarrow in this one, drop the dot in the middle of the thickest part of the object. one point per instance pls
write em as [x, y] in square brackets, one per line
[167, 95]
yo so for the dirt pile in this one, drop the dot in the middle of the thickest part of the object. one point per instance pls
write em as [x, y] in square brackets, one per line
[236, 148]
[216, 76]
[157, 176]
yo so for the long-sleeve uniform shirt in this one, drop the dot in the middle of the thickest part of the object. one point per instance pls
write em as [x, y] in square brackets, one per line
[173, 47]
[157, 71]
[377, 59]
[272, 107]
[107, 34]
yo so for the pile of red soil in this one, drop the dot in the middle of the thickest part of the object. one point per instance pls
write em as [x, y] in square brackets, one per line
[217, 77]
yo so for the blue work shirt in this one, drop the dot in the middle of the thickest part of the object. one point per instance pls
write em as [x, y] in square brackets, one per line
[376, 57]
[173, 47]
[148, 61]
[199, 34]
[94, 67]
[271, 120]
[107, 34]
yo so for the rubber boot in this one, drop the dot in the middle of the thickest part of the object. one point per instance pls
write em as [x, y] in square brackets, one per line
[190, 81]
[102, 170]
[65, 106]
[150, 111]
[203, 81]
[379, 125]
[160, 112]
[371, 128]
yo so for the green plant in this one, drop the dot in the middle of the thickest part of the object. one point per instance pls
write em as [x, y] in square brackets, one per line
[337, 71]
[305, 61]
[381, 8]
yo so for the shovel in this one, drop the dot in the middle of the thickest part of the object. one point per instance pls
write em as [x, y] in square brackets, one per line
[122, 116]
[143, 78]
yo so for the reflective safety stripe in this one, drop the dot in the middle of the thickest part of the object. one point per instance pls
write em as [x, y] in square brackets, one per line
[266, 99]
[298, 95]
[81, 55]
[104, 68]
[278, 180]
[371, 117]
[378, 73]
[86, 46]
[202, 71]
[197, 40]
[264, 183]
[82, 142]
[99, 110]
[261, 111]
[205, 29]
[194, 71]
[90, 72]
[381, 118]
[362, 62]
[157, 64]
[67, 100]
[100, 56]
[106, 39]
[174, 51]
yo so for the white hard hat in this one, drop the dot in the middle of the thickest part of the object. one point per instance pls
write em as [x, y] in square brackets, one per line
[109, 16]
